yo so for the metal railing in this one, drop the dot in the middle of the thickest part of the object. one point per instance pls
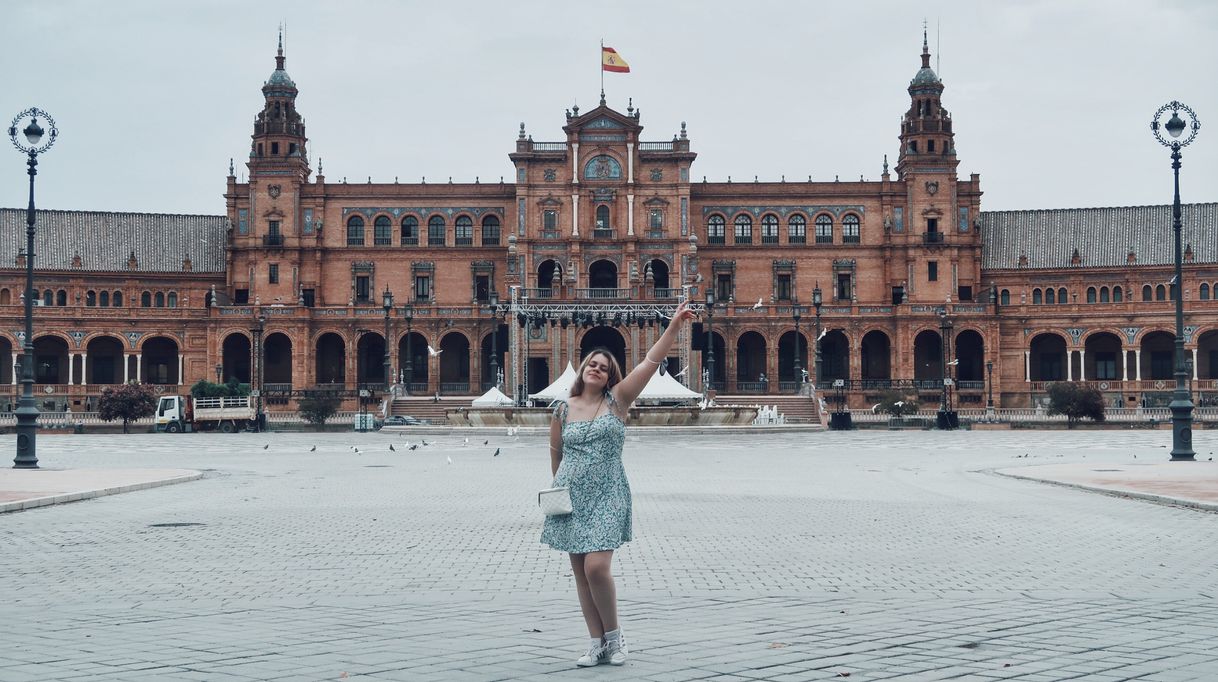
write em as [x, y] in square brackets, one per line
[797, 239]
[454, 388]
[716, 239]
[598, 293]
[272, 240]
[661, 292]
[537, 293]
[602, 233]
[824, 239]
[932, 237]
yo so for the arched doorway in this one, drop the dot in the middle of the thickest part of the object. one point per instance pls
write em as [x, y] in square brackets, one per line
[6, 362]
[876, 358]
[418, 372]
[549, 275]
[1207, 355]
[602, 276]
[835, 356]
[786, 356]
[454, 363]
[370, 358]
[928, 356]
[970, 354]
[104, 361]
[277, 359]
[160, 361]
[603, 337]
[657, 271]
[236, 358]
[50, 360]
[1102, 361]
[331, 359]
[1158, 356]
[750, 362]
[1047, 357]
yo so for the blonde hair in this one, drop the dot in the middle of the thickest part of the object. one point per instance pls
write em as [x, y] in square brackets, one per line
[615, 371]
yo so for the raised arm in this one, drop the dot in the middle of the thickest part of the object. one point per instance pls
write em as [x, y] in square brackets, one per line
[630, 387]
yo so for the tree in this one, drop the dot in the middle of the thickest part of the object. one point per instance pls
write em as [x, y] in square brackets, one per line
[317, 407]
[127, 402]
[206, 389]
[896, 404]
[1076, 401]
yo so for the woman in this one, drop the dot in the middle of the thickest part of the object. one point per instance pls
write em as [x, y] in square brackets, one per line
[586, 436]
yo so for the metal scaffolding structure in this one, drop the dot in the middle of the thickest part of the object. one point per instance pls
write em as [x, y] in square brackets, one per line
[547, 312]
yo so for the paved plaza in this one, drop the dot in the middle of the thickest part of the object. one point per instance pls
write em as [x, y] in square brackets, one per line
[782, 556]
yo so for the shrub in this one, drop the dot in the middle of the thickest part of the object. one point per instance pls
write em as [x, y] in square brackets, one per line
[897, 404]
[317, 407]
[1076, 401]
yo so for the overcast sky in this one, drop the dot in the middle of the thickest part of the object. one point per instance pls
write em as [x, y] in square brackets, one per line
[1051, 100]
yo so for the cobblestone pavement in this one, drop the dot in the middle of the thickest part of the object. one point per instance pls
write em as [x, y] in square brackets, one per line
[881, 555]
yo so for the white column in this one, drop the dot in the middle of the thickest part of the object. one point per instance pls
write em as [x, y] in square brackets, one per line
[126, 368]
[84, 368]
[1027, 365]
[14, 366]
[1194, 364]
[575, 214]
[575, 163]
[1124, 365]
[1082, 365]
[630, 161]
[139, 369]
[1137, 364]
[1069, 365]
[71, 368]
[630, 215]
[180, 382]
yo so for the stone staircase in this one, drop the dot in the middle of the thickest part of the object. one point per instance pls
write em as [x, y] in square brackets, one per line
[798, 409]
[426, 407]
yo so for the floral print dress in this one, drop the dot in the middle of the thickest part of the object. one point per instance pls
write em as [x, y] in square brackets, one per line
[600, 494]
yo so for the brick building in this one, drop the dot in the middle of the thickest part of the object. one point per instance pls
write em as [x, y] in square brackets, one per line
[598, 229]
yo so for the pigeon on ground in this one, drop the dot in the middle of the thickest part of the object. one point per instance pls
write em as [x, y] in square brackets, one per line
[450, 459]
[496, 453]
[432, 352]
[266, 446]
[466, 441]
[313, 449]
[414, 447]
[487, 441]
[424, 441]
[757, 305]
[355, 449]
[391, 448]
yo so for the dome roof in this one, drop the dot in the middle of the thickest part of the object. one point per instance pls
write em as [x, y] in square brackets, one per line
[925, 76]
[281, 78]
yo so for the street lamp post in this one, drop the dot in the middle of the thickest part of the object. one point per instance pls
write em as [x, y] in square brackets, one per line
[710, 341]
[816, 303]
[1181, 404]
[408, 315]
[945, 328]
[27, 411]
[989, 402]
[494, 307]
[799, 343]
[258, 331]
[387, 304]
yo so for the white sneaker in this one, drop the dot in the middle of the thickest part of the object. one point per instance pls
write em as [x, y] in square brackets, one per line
[594, 656]
[615, 652]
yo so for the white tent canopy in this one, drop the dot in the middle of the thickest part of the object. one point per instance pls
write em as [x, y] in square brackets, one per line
[561, 388]
[492, 398]
[660, 387]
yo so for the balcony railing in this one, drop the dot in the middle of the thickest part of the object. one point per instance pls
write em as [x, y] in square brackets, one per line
[932, 237]
[601, 294]
[464, 241]
[797, 239]
[277, 388]
[716, 239]
[602, 233]
[655, 146]
[454, 387]
[660, 292]
[769, 239]
[851, 239]
[824, 239]
[537, 292]
[272, 240]
[410, 241]
[549, 146]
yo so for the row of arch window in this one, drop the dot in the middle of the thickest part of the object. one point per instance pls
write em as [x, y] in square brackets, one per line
[409, 232]
[1116, 294]
[797, 226]
[100, 299]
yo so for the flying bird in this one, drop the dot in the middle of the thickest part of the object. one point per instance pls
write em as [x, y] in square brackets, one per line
[681, 373]
[703, 404]
[661, 314]
[954, 362]
[432, 352]
[875, 407]
[757, 305]
[822, 333]
[450, 459]
[496, 453]
[899, 403]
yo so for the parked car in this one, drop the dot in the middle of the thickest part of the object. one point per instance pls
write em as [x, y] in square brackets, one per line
[404, 420]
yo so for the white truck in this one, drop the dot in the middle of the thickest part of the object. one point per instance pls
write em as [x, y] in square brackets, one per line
[176, 414]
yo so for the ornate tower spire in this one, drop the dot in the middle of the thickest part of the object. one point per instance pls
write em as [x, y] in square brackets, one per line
[926, 131]
[279, 131]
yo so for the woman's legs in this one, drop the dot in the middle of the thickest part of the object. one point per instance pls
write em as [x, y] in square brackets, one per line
[596, 568]
[587, 605]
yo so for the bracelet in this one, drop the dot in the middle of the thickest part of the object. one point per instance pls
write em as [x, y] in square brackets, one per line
[657, 363]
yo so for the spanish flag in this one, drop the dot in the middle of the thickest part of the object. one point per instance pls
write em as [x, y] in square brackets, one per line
[612, 61]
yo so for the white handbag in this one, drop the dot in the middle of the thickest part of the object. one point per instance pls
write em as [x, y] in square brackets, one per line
[555, 501]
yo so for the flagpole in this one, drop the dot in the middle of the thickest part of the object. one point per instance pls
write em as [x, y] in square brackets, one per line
[602, 68]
